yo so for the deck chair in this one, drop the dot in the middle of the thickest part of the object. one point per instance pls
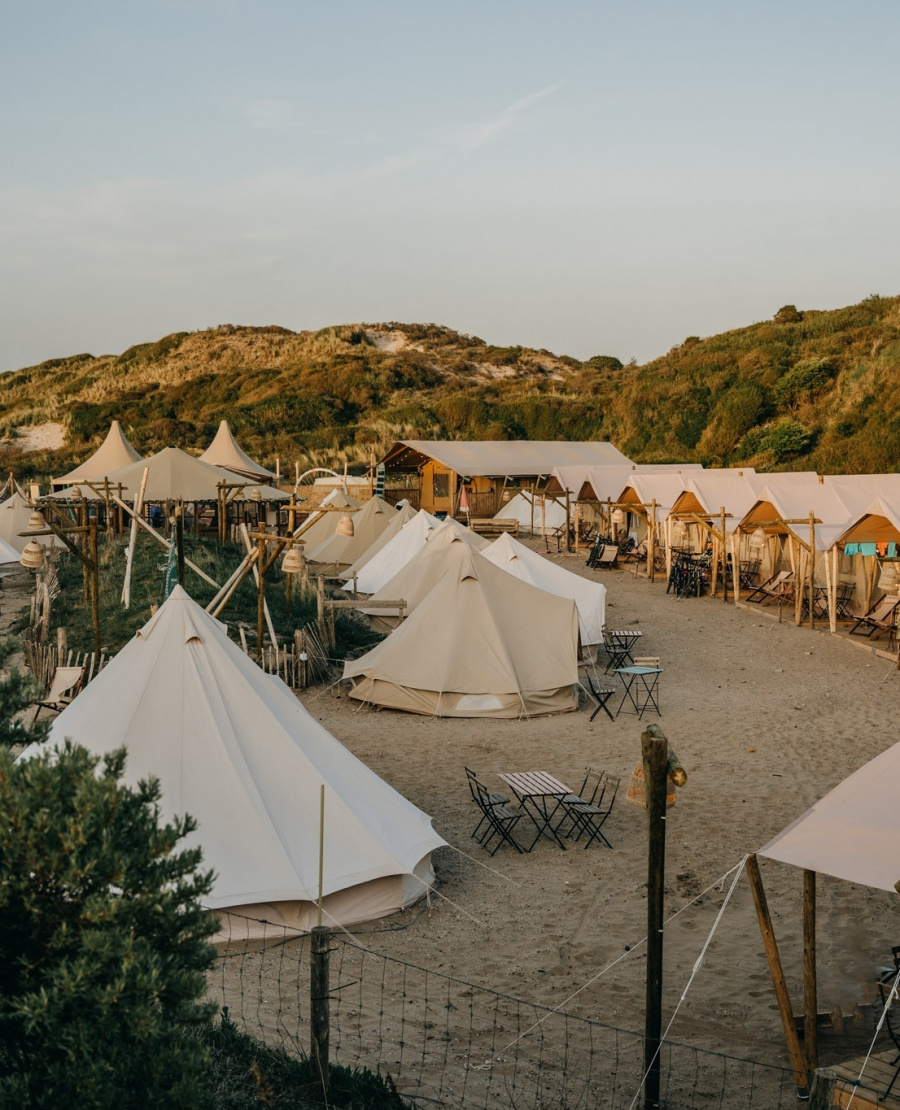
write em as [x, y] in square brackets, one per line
[635, 554]
[492, 799]
[501, 820]
[880, 618]
[770, 589]
[589, 814]
[603, 555]
[66, 684]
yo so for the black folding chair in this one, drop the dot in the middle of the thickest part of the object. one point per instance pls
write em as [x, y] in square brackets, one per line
[492, 799]
[501, 820]
[618, 645]
[589, 817]
[885, 984]
[602, 694]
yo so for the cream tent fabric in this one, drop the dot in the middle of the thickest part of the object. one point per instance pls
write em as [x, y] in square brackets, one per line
[853, 833]
[382, 567]
[368, 524]
[15, 513]
[173, 474]
[418, 576]
[481, 644]
[589, 596]
[708, 491]
[880, 523]
[114, 453]
[234, 747]
[510, 458]
[605, 483]
[519, 508]
[225, 451]
[8, 553]
[404, 514]
[324, 524]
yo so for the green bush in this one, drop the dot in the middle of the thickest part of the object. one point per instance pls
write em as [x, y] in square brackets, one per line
[788, 314]
[804, 380]
[605, 362]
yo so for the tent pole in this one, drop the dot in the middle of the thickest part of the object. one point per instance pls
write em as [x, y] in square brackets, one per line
[777, 973]
[736, 564]
[829, 582]
[812, 569]
[810, 992]
[724, 558]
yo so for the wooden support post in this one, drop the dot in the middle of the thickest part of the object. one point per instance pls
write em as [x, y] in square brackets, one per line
[812, 569]
[95, 584]
[655, 752]
[810, 988]
[651, 541]
[832, 610]
[568, 518]
[319, 1002]
[260, 595]
[777, 973]
[724, 551]
[577, 521]
[179, 542]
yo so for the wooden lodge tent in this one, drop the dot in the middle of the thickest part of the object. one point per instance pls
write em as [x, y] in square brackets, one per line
[862, 553]
[112, 454]
[226, 452]
[404, 514]
[481, 644]
[589, 596]
[412, 582]
[434, 471]
[369, 523]
[234, 747]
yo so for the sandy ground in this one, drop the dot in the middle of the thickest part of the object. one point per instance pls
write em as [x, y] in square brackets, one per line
[40, 437]
[766, 719]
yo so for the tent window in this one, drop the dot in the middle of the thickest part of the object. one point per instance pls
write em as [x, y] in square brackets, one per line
[441, 485]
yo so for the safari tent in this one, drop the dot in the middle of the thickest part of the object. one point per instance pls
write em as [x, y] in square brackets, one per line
[234, 747]
[227, 453]
[112, 454]
[482, 643]
[589, 596]
[341, 549]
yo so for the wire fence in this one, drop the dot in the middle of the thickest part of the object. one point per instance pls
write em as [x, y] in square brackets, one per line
[449, 1043]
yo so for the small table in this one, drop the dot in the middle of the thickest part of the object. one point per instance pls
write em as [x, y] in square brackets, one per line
[618, 645]
[640, 688]
[541, 796]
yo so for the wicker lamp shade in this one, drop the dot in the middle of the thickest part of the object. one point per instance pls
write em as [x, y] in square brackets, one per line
[32, 556]
[344, 526]
[292, 563]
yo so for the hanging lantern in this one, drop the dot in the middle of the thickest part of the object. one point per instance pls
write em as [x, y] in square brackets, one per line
[758, 538]
[344, 526]
[292, 563]
[32, 556]
[679, 531]
[36, 522]
[619, 516]
[890, 579]
[254, 494]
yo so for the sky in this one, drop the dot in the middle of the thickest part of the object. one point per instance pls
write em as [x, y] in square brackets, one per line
[586, 177]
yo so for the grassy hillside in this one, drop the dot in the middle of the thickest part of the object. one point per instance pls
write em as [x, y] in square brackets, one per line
[805, 390]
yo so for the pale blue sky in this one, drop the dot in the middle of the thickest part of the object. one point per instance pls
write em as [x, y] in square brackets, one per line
[594, 178]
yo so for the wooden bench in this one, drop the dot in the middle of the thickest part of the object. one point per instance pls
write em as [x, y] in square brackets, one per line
[494, 526]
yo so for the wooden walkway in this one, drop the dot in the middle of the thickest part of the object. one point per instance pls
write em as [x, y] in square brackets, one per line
[876, 1078]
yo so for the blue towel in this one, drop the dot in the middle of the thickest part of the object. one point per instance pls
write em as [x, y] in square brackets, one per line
[851, 548]
[892, 551]
[869, 548]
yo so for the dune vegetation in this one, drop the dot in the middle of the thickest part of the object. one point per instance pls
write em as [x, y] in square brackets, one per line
[804, 390]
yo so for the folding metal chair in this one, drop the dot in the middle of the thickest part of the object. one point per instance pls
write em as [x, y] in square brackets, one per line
[492, 799]
[885, 983]
[602, 694]
[589, 817]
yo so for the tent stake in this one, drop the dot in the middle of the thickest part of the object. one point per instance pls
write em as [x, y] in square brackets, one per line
[777, 973]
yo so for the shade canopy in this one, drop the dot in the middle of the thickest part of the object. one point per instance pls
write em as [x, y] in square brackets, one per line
[481, 644]
[226, 452]
[112, 454]
[233, 747]
[589, 596]
[853, 833]
[368, 524]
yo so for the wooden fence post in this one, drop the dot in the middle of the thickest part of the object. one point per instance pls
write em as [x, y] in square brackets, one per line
[320, 947]
[655, 751]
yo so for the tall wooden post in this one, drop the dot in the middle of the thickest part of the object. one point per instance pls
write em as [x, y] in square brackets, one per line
[568, 539]
[812, 569]
[654, 749]
[810, 986]
[179, 542]
[777, 972]
[724, 557]
[651, 541]
[260, 596]
[95, 585]
[319, 1004]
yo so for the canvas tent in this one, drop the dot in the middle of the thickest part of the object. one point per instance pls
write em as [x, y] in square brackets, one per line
[15, 512]
[226, 452]
[368, 524]
[419, 575]
[404, 514]
[532, 511]
[114, 453]
[408, 542]
[482, 643]
[320, 526]
[589, 596]
[234, 747]
[8, 554]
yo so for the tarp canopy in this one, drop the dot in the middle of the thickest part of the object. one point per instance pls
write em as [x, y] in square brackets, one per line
[226, 452]
[880, 523]
[404, 514]
[112, 454]
[589, 596]
[853, 833]
[709, 491]
[395, 554]
[481, 644]
[418, 575]
[500, 458]
[368, 524]
[233, 747]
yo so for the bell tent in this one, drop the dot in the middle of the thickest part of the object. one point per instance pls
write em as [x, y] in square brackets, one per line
[342, 549]
[112, 454]
[395, 554]
[233, 747]
[226, 452]
[404, 514]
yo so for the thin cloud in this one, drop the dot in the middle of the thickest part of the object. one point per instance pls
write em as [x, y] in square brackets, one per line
[476, 135]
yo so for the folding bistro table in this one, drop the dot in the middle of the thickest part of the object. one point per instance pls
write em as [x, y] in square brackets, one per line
[618, 645]
[541, 796]
[641, 688]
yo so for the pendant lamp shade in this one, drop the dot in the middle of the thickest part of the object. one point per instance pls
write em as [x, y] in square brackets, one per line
[344, 526]
[36, 522]
[758, 538]
[32, 556]
[890, 579]
[293, 561]
[619, 516]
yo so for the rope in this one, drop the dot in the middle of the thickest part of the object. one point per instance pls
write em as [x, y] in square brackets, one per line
[694, 970]
[889, 1002]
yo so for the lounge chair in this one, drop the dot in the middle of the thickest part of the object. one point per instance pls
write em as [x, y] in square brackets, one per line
[65, 685]
[772, 588]
[881, 618]
[603, 555]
